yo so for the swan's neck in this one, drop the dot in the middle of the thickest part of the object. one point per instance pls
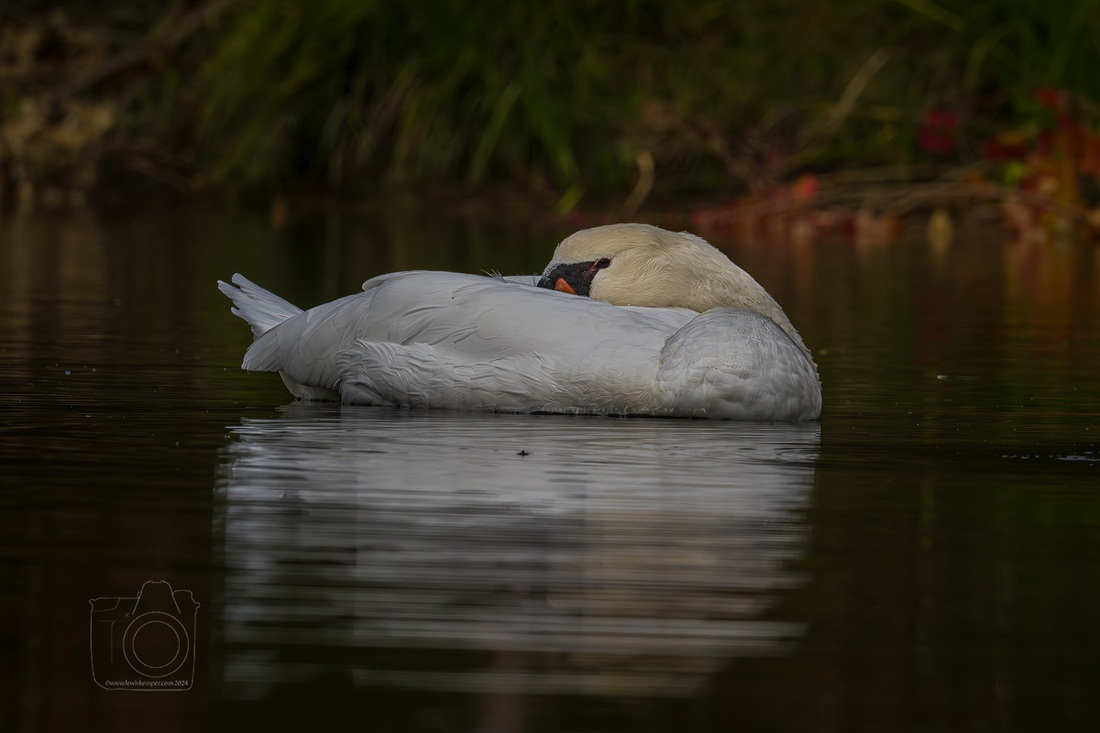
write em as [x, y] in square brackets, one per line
[732, 287]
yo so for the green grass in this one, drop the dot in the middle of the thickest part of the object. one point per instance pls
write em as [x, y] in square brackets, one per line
[564, 98]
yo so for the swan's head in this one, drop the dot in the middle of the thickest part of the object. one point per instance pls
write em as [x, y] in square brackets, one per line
[643, 265]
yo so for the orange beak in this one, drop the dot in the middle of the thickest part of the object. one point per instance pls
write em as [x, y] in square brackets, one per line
[561, 285]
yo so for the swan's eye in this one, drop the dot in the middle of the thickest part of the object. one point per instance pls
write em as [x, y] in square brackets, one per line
[596, 265]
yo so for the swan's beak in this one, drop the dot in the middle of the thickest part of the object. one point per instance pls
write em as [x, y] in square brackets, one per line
[574, 278]
[563, 287]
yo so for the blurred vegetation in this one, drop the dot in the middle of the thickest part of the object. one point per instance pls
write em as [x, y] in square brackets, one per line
[560, 100]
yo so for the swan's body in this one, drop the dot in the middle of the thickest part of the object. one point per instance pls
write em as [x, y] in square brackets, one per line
[439, 339]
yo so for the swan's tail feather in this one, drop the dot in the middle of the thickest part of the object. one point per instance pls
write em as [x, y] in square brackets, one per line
[262, 309]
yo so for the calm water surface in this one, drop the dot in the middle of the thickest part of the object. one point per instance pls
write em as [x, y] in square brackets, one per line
[927, 557]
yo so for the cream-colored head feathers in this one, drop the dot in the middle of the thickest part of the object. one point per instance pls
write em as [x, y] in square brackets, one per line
[656, 268]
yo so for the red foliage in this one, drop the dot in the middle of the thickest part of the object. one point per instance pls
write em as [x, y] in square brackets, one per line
[999, 150]
[938, 132]
[1054, 160]
[1056, 100]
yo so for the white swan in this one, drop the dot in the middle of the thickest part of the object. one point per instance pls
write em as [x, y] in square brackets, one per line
[670, 327]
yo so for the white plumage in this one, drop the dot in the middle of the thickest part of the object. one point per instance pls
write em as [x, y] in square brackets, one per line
[448, 340]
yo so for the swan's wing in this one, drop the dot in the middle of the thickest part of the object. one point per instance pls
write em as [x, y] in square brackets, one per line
[451, 339]
[517, 279]
[419, 375]
[730, 362]
[522, 279]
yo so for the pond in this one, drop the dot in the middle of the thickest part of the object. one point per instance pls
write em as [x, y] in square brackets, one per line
[926, 557]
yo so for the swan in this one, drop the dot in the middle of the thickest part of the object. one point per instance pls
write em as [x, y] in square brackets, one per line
[626, 319]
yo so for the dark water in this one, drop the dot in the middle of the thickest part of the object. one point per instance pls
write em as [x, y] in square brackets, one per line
[927, 557]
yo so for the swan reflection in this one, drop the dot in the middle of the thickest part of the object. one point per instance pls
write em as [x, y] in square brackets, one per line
[505, 552]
